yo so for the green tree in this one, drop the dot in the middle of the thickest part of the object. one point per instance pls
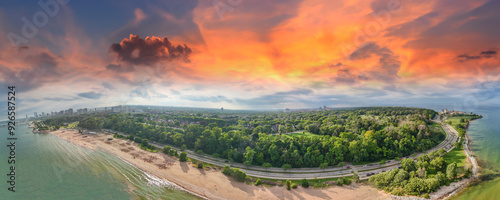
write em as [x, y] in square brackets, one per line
[286, 166]
[166, 150]
[355, 177]
[451, 171]
[266, 165]
[441, 178]
[249, 154]
[408, 164]
[439, 164]
[323, 165]
[423, 158]
[288, 184]
[183, 157]
[400, 177]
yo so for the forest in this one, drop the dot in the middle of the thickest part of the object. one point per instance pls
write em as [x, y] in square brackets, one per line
[424, 176]
[266, 138]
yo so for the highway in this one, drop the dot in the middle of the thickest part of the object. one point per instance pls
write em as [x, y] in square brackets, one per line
[311, 173]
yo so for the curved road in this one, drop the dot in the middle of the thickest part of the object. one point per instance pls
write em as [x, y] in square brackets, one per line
[311, 173]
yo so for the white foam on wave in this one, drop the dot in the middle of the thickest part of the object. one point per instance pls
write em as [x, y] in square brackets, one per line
[156, 181]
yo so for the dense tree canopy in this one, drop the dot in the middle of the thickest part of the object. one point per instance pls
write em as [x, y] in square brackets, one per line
[337, 135]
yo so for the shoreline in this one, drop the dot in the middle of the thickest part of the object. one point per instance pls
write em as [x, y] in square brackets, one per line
[211, 183]
[176, 185]
[464, 184]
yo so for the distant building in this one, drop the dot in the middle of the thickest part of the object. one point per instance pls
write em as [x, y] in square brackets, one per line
[222, 109]
[36, 115]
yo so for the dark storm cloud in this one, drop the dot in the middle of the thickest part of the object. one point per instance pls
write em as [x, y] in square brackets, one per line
[465, 57]
[149, 51]
[90, 95]
[488, 54]
[482, 55]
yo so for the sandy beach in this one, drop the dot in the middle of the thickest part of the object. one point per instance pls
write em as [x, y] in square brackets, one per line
[211, 184]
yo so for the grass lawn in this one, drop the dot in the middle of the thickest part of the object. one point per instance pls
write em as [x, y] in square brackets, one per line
[455, 120]
[456, 155]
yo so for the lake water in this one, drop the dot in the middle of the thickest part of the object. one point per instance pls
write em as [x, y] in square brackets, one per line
[50, 168]
[485, 138]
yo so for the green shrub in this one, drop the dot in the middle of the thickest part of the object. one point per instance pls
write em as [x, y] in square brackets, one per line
[346, 181]
[398, 192]
[294, 185]
[239, 175]
[304, 183]
[257, 182]
[226, 170]
[166, 150]
[200, 165]
[183, 157]
[288, 184]
[340, 182]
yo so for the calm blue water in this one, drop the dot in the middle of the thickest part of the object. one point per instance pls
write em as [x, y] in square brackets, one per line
[485, 138]
[50, 168]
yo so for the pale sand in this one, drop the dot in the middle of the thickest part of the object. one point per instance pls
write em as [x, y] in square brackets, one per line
[212, 183]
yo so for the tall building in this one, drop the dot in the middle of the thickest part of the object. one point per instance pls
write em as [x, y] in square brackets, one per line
[222, 109]
[36, 115]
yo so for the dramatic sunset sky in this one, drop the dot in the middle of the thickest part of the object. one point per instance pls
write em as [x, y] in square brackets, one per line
[249, 54]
